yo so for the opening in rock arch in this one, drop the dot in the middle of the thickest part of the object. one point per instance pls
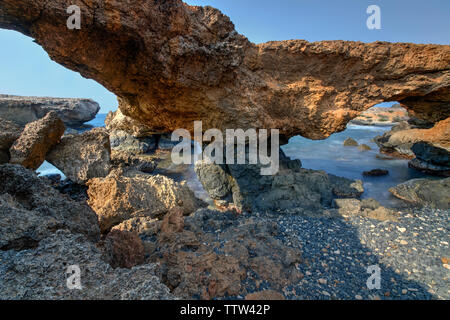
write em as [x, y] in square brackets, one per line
[350, 162]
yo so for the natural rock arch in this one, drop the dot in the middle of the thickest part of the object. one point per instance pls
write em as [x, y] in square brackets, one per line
[170, 64]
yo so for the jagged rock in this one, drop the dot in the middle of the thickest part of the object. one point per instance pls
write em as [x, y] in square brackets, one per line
[117, 121]
[221, 254]
[431, 158]
[9, 132]
[170, 63]
[421, 192]
[139, 162]
[42, 273]
[84, 156]
[369, 208]
[349, 142]
[36, 139]
[122, 141]
[401, 138]
[145, 226]
[376, 173]
[379, 116]
[124, 249]
[291, 188]
[23, 110]
[30, 210]
[124, 195]
[265, 295]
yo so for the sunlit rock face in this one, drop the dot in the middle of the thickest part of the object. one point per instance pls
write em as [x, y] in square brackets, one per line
[170, 64]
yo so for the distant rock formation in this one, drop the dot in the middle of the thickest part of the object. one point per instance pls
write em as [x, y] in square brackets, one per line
[22, 110]
[170, 63]
[379, 116]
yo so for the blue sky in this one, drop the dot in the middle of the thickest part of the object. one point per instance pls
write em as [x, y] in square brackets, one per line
[25, 68]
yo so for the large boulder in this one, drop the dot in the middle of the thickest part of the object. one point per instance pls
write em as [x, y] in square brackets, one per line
[124, 195]
[431, 158]
[170, 63]
[421, 192]
[83, 156]
[117, 121]
[401, 138]
[31, 210]
[49, 272]
[36, 139]
[123, 141]
[23, 110]
[9, 132]
[291, 188]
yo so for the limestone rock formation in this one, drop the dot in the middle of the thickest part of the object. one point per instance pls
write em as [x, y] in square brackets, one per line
[421, 192]
[36, 139]
[30, 210]
[369, 208]
[9, 132]
[128, 161]
[117, 121]
[83, 156]
[23, 110]
[123, 141]
[402, 137]
[170, 64]
[124, 195]
[43, 273]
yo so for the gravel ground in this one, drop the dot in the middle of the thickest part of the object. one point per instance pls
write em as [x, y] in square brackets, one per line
[412, 255]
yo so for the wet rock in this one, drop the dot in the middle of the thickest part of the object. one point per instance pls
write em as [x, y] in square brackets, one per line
[376, 173]
[23, 110]
[429, 167]
[124, 195]
[26, 274]
[364, 147]
[32, 210]
[349, 142]
[123, 249]
[421, 192]
[36, 139]
[83, 156]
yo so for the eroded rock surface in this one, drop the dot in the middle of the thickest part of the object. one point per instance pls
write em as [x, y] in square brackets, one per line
[421, 192]
[36, 139]
[170, 64]
[9, 132]
[83, 156]
[30, 210]
[27, 275]
[22, 110]
[124, 195]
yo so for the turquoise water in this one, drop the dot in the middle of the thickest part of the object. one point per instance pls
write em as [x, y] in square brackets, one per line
[331, 156]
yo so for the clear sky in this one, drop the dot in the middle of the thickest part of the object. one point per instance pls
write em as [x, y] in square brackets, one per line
[25, 68]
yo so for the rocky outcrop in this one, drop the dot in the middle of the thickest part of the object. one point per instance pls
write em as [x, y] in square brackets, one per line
[400, 139]
[170, 64]
[128, 161]
[431, 158]
[45, 272]
[36, 139]
[23, 110]
[215, 254]
[122, 141]
[421, 192]
[83, 156]
[9, 132]
[31, 210]
[117, 121]
[379, 116]
[291, 188]
[124, 195]
[368, 208]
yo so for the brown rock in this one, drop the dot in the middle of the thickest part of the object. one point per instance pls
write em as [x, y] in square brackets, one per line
[36, 140]
[173, 221]
[170, 63]
[83, 156]
[9, 132]
[265, 295]
[124, 249]
[124, 195]
[118, 121]
[145, 226]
